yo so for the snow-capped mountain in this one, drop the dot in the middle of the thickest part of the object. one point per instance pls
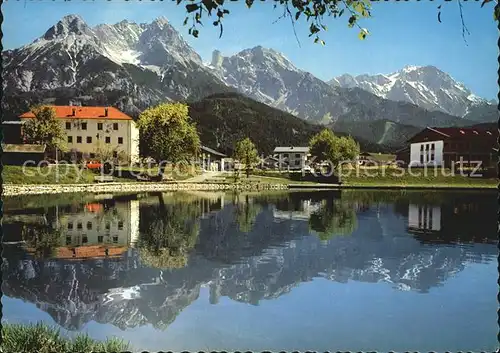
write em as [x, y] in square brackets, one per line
[269, 77]
[425, 86]
[126, 64]
[134, 66]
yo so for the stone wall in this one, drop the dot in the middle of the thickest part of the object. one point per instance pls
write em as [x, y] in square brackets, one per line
[34, 189]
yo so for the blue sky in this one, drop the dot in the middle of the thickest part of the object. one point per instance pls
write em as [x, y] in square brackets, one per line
[403, 33]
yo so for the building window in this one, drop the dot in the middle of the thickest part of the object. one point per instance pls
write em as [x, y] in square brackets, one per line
[421, 147]
[285, 155]
[115, 239]
[115, 154]
[70, 139]
[108, 139]
[84, 126]
[70, 225]
[89, 139]
[120, 140]
[78, 139]
[115, 126]
[68, 126]
[89, 225]
[427, 147]
[297, 162]
[85, 239]
[297, 155]
[68, 240]
[421, 159]
[108, 226]
[79, 225]
[120, 225]
[100, 238]
[99, 126]
[432, 157]
[432, 146]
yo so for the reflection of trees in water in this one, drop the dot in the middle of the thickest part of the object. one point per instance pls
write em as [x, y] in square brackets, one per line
[334, 217]
[41, 241]
[246, 211]
[168, 231]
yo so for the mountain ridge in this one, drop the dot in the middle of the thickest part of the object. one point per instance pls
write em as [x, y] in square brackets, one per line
[133, 66]
[426, 86]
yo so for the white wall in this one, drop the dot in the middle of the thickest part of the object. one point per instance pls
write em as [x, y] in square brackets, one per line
[284, 162]
[415, 153]
[134, 142]
[126, 130]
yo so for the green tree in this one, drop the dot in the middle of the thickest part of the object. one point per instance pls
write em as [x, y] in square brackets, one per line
[246, 153]
[44, 129]
[326, 147]
[313, 12]
[167, 133]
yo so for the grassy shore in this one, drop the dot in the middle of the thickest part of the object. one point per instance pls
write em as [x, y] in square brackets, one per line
[394, 177]
[44, 339]
[384, 177]
[66, 174]
[362, 177]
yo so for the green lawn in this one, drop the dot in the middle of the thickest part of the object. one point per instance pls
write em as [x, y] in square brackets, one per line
[382, 157]
[154, 170]
[62, 174]
[45, 339]
[393, 177]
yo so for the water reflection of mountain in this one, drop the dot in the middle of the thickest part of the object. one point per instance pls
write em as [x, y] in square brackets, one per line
[264, 260]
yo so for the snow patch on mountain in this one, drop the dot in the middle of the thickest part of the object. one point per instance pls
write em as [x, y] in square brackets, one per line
[425, 86]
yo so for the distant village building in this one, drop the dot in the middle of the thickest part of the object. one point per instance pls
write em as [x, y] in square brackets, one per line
[365, 158]
[444, 146]
[291, 157]
[212, 160]
[270, 162]
[90, 129]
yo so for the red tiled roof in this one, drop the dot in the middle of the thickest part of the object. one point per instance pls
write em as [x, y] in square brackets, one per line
[66, 112]
[465, 132]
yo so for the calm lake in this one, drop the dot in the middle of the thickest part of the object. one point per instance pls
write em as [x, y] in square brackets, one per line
[338, 270]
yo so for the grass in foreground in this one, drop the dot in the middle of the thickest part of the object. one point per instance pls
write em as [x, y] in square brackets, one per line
[46, 175]
[44, 339]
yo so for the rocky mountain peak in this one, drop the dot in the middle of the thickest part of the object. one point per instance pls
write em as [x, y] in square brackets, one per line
[425, 86]
[67, 25]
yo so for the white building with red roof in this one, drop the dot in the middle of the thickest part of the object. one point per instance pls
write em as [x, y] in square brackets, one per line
[90, 129]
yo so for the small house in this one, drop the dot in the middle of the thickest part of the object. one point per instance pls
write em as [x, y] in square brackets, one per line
[445, 146]
[212, 160]
[291, 157]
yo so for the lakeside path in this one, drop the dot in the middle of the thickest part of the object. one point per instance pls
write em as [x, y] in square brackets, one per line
[132, 187]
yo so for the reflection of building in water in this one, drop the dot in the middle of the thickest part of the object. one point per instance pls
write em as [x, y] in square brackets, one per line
[426, 218]
[98, 223]
[303, 213]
